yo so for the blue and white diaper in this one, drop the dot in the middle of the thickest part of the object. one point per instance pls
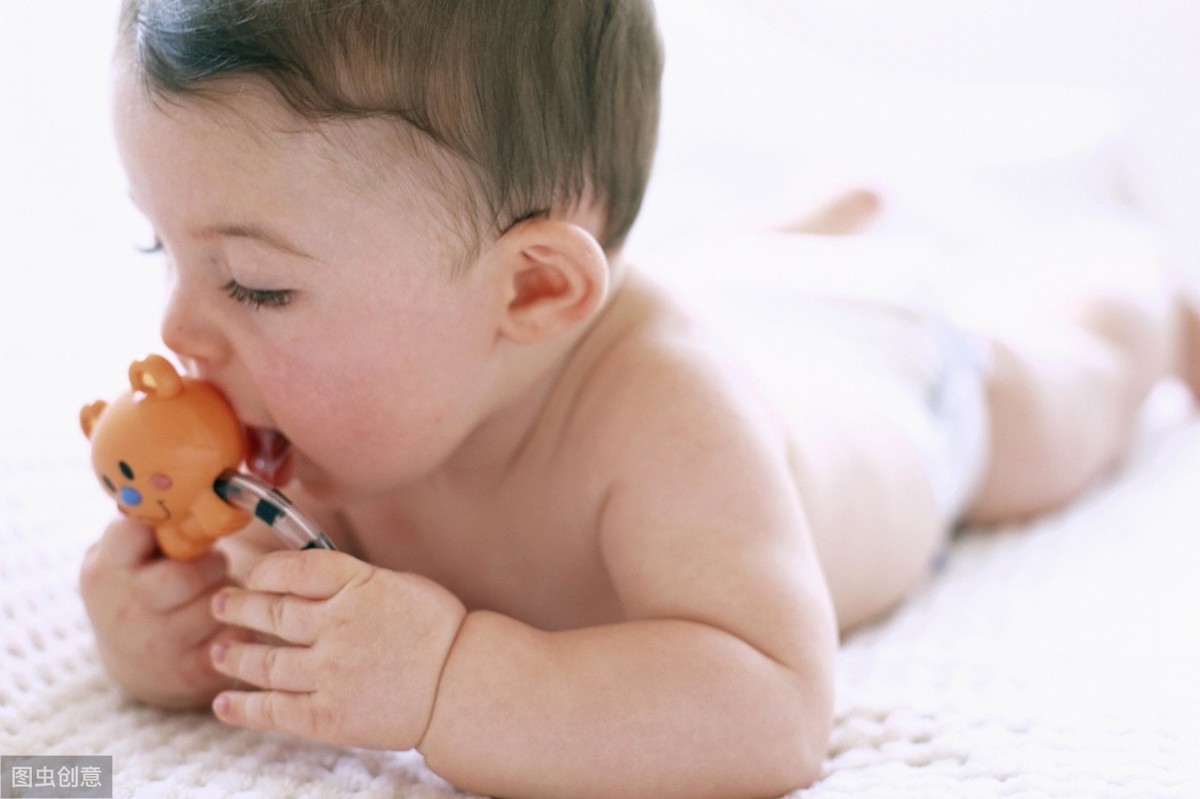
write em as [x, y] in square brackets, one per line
[857, 319]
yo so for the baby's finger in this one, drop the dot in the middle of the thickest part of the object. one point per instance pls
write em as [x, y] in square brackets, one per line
[165, 585]
[192, 624]
[126, 543]
[279, 668]
[313, 574]
[195, 668]
[297, 714]
[289, 618]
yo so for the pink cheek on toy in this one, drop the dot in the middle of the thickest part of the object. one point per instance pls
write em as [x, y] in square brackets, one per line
[160, 482]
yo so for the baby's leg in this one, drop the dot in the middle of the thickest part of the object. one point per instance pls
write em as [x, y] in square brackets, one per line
[1063, 405]
[846, 214]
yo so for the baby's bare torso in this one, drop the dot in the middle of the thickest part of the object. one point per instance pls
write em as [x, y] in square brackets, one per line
[526, 549]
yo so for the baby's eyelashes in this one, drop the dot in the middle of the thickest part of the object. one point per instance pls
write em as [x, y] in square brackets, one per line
[155, 247]
[257, 298]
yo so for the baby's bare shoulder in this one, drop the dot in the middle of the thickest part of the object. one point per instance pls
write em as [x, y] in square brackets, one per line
[659, 406]
[700, 499]
[651, 368]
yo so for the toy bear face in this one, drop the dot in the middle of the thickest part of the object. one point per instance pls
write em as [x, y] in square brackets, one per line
[158, 447]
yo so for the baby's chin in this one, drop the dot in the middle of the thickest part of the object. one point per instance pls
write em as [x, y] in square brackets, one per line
[338, 486]
[314, 482]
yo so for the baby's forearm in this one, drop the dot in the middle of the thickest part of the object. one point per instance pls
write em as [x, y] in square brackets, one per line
[651, 708]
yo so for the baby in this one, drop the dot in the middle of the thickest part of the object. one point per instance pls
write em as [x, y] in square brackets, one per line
[579, 555]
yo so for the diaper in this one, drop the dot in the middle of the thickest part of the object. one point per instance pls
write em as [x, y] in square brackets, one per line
[952, 433]
[848, 317]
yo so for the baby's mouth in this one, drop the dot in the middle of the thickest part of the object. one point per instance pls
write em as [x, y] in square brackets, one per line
[269, 455]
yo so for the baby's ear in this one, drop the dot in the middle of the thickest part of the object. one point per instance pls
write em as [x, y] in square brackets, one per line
[556, 277]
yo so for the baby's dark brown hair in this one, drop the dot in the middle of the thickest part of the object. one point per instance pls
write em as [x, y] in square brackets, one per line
[543, 103]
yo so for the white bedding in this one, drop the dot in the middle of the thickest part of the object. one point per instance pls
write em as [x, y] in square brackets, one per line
[1058, 658]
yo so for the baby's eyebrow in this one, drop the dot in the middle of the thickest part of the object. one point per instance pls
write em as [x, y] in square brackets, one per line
[260, 234]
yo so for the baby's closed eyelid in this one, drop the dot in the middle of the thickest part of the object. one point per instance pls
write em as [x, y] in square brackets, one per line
[257, 298]
[152, 249]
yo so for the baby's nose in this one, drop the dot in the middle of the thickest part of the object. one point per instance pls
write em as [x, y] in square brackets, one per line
[130, 496]
[189, 330]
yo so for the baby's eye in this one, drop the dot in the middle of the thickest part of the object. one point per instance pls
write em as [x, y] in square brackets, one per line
[151, 249]
[257, 298]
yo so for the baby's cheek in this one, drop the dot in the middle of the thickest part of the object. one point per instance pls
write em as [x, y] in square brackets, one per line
[377, 446]
[336, 431]
[361, 423]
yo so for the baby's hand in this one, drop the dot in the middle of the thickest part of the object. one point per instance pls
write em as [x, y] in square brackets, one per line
[362, 652]
[151, 616]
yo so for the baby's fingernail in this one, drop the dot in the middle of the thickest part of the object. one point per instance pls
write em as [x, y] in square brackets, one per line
[221, 705]
[218, 651]
[218, 603]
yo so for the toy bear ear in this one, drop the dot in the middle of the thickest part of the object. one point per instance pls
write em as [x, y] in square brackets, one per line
[155, 376]
[89, 415]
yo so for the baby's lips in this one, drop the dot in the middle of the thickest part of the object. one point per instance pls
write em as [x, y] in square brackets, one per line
[268, 455]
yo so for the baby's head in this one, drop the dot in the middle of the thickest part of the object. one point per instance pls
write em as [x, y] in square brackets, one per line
[516, 109]
[384, 219]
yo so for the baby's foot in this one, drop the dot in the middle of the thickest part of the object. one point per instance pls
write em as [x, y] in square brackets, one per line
[846, 214]
[1189, 355]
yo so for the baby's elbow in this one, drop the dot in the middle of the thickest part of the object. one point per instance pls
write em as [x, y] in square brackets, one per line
[810, 760]
[802, 735]
[789, 761]
[800, 760]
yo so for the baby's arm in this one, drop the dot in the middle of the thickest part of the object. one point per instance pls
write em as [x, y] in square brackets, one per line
[719, 683]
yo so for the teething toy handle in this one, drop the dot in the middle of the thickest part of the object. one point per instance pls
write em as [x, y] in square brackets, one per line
[270, 506]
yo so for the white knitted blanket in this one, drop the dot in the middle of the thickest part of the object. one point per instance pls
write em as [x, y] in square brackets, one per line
[1055, 659]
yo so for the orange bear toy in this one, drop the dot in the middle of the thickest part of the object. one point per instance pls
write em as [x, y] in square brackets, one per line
[159, 447]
